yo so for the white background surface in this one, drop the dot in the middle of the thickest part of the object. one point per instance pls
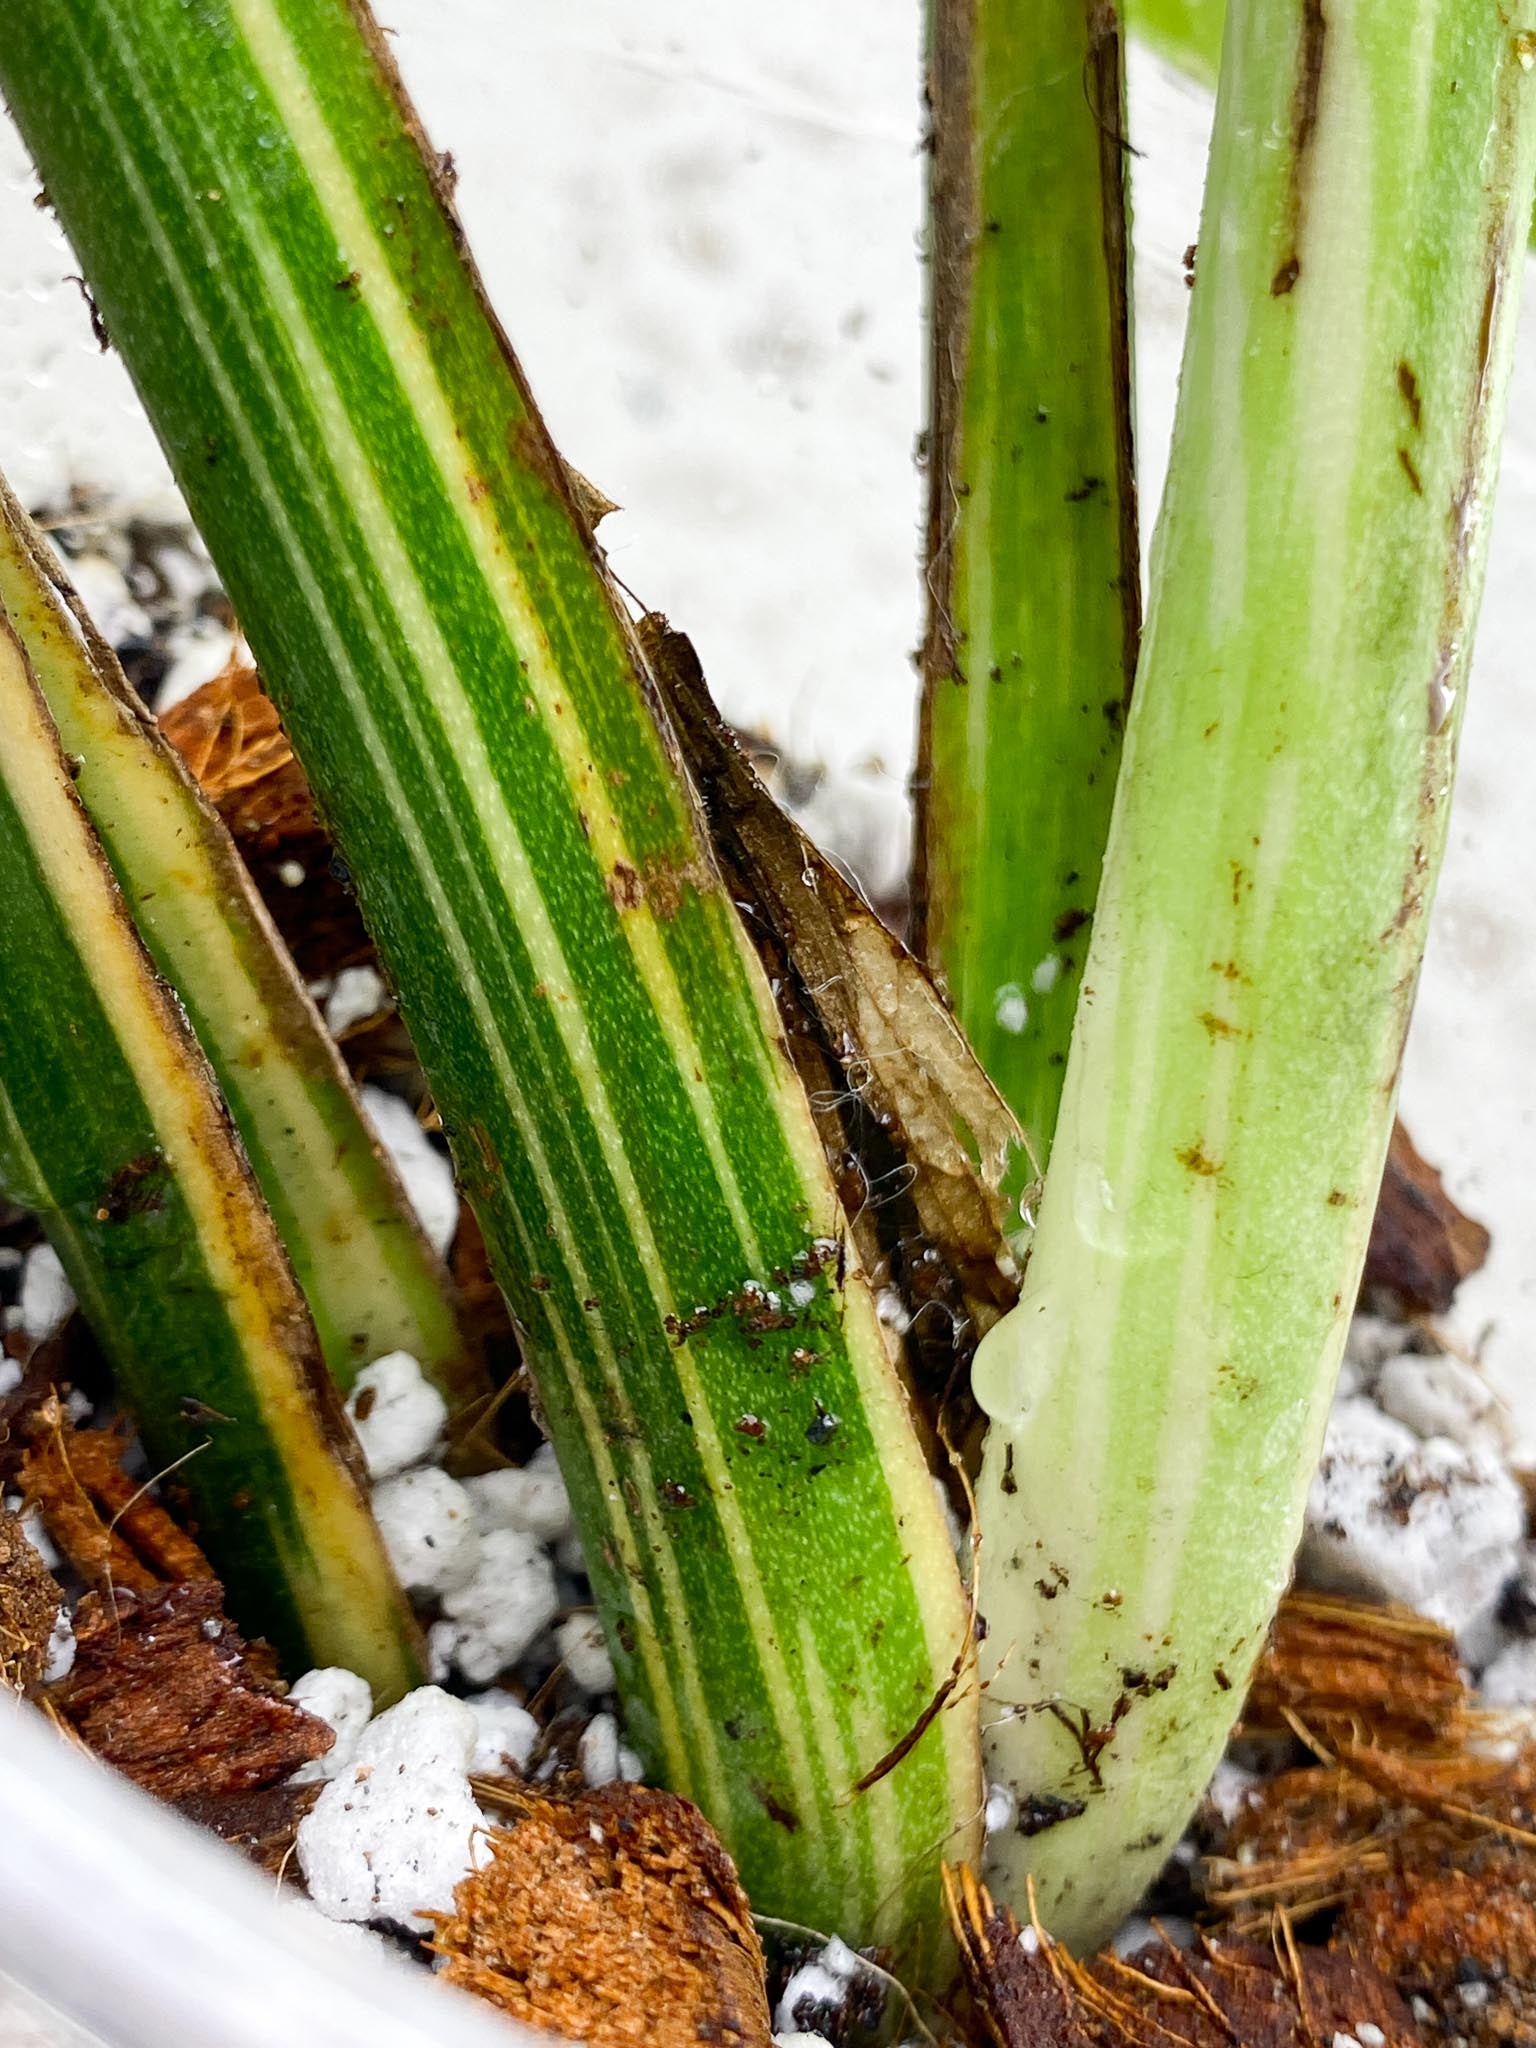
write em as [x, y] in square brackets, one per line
[700, 225]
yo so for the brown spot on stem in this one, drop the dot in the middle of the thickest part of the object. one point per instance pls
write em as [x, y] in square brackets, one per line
[1411, 470]
[1306, 95]
[624, 887]
[667, 882]
[784, 1816]
[1408, 385]
[1194, 1159]
[135, 1189]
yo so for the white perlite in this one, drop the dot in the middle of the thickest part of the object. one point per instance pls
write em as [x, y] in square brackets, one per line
[1442, 1397]
[31, 1520]
[426, 1174]
[505, 1734]
[1231, 1789]
[529, 1497]
[864, 822]
[344, 1702]
[61, 1649]
[819, 1985]
[103, 590]
[398, 1415]
[583, 1651]
[603, 1758]
[46, 1297]
[428, 1529]
[357, 994]
[488, 1623]
[391, 1836]
[1372, 1340]
[1510, 1680]
[598, 1751]
[1428, 1523]
[195, 653]
[1000, 1811]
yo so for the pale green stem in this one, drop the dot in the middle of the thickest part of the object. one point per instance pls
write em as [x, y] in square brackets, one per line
[1160, 1392]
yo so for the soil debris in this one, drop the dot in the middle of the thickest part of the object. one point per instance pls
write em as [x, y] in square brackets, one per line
[1422, 1245]
[164, 1689]
[229, 734]
[110, 1527]
[1030, 1993]
[1460, 1943]
[29, 1607]
[612, 1917]
[1411, 1840]
[1344, 1667]
[263, 1824]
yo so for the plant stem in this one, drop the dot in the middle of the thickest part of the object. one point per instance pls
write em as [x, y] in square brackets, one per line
[110, 1127]
[1159, 1395]
[371, 1280]
[1188, 32]
[271, 247]
[1033, 574]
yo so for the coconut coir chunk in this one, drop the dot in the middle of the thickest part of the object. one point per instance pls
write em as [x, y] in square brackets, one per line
[165, 1690]
[612, 1917]
[1411, 1842]
[1422, 1246]
[1461, 1940]
[29, 1606]
[1030, 1993]
[263, 1825]
[1341, 1666]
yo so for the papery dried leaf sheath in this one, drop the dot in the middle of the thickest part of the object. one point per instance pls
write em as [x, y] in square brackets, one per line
[899, 1057]
[1422, 1245]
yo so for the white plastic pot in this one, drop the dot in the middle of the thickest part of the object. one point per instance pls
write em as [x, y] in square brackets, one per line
[148, 1934]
